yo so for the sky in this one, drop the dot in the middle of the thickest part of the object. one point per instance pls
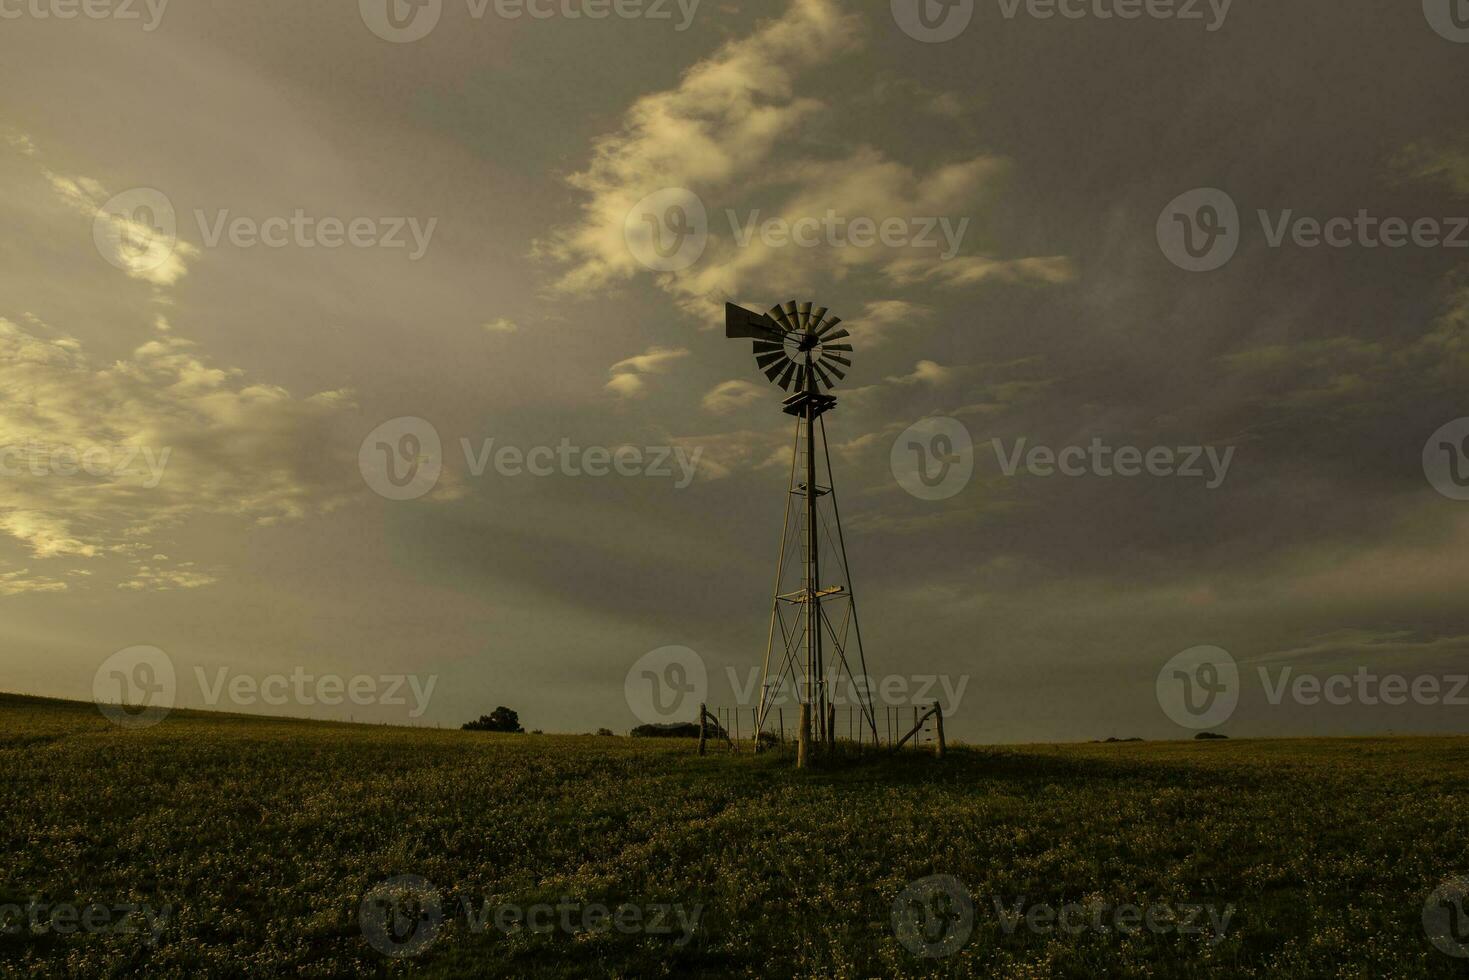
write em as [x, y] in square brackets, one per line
[261, 260]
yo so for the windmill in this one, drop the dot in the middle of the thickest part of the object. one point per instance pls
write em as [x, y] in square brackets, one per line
[802, 349]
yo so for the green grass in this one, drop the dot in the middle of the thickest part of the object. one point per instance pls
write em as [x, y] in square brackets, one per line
[264, 835]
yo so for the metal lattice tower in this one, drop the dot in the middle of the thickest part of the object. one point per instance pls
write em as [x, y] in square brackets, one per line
[800, 349]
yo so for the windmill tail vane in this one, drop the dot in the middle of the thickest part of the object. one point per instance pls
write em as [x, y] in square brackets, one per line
[814, 629]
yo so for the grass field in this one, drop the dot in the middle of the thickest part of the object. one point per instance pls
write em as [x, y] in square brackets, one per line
[262, 838]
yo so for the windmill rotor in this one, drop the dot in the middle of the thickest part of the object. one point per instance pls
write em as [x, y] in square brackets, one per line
[796, 345]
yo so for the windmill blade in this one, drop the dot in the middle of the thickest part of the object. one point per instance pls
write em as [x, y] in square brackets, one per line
[817, 315]
[836, 371]
[825, 378]
[792, 313]
[836, 336]
[767, 346]
[828, 355]
[785, 379]
[740, 323]
[800, 379]
[828, 325]
[765, 360]
[782, 320]
[803, 315]
[773, 371]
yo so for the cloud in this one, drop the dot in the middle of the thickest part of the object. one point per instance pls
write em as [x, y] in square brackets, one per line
[99, 459]
[724, 454]
[927, 373]
[21, 142]
[150, 579]
[725, 134]
[884, 317]
[654, 360]
[501, 325]
[971, 270]
[1442, 161]
[719, 125]
[731, 396]
[133, 239]
[628, 386]
[628, 374]
[21, 581]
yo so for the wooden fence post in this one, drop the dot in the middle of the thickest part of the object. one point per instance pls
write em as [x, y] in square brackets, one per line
[938, 729]
[703, 727]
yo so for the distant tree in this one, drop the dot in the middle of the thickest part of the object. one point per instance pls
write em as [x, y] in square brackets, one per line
[604, 731]
[502, 719]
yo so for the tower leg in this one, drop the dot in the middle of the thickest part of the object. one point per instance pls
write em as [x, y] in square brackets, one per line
[803, 738]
